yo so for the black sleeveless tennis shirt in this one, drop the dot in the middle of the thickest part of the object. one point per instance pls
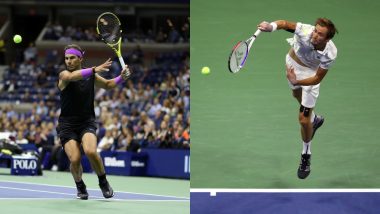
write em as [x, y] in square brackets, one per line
[77, 99]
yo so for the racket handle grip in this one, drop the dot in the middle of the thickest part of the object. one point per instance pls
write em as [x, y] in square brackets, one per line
[122, 63]
[257, 33]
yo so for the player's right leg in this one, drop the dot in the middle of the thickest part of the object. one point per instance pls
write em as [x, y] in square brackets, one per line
[318, 122]
[72, 149]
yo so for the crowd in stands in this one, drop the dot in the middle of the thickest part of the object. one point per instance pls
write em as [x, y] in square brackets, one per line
[69, 34]
[151, 110]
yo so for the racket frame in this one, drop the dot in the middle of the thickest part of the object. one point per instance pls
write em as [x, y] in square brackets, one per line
[115, 46]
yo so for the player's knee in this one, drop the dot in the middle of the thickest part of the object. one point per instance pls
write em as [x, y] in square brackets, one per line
[304, 115]
[90, 153]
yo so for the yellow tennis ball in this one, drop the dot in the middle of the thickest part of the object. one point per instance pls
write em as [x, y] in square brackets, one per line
[205, 70]
[17, 38]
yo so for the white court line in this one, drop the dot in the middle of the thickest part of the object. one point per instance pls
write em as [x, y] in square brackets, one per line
[51, 185]
[214, 191]
[95, 199]
[91, 197]
[32, 190]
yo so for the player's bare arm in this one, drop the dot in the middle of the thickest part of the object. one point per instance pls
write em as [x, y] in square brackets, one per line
[277, 25]
[112, 83]
[314, 80]
[66, 76]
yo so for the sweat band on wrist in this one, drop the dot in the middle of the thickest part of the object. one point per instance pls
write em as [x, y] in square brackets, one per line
[86, 72]
[119, 80]
[274, 26]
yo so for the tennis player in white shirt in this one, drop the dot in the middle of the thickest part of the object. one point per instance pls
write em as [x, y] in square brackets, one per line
[311, 55]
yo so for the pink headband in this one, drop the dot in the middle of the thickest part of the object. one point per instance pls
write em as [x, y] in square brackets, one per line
[74, 52]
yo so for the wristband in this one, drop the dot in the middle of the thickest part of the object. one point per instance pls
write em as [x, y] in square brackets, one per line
[86, 72]
[119, 80]
[274, 26]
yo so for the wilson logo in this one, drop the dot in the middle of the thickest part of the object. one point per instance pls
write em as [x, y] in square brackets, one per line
[112, 161]
[137, 164]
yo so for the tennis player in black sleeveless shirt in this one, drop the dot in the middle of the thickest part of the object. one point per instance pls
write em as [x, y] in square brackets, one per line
[77, 125]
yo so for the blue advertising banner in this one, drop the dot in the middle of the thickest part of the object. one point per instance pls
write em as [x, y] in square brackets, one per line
[124, 163]
[168, 163]
[24, 165]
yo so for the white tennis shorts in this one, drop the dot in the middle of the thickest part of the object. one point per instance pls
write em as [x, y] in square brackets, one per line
[309, 93]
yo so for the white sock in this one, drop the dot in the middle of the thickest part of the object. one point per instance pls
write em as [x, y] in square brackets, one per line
[312, 117]
[306, 148]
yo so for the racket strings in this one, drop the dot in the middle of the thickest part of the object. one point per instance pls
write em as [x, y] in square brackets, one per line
[238, 57]
[109, 28]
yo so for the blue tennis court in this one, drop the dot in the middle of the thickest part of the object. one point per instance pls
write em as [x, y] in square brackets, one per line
[285, 202]
[30, 190]
[55, 192]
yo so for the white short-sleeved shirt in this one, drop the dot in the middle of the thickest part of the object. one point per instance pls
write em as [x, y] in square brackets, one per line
[301, 43]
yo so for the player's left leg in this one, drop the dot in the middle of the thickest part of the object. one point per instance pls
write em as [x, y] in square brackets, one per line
[305, 122]
[89, 144]
[306, 133]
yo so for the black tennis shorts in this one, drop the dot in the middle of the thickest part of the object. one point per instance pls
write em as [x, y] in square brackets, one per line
[74, 128]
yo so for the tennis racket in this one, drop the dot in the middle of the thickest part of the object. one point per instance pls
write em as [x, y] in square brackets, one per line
[108, 27]
[240, 52]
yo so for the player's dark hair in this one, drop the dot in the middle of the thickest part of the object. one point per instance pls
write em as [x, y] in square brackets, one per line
[324, 22]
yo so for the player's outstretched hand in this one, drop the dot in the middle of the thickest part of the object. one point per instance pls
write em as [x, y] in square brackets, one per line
[103, 67]
[265, 26]
[126, 73]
